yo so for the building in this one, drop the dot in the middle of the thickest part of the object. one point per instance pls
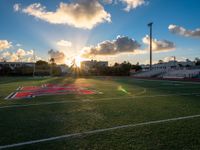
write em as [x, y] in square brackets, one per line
[64, 68]
[170, 65]
[16, 68]
[91, 64]
[14, 65]
[171, 69]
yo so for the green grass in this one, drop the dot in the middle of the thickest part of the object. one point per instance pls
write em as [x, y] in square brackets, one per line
[139, 101]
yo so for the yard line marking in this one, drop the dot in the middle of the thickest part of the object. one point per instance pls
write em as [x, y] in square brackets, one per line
[9, 95]
[74, 135]
[95, 100]
[14, 95]
[19, 88]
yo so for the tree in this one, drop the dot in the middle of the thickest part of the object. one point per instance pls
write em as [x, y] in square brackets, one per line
[56, 71]
[197, 61]
[116, 64]
[136, 67]
[41, 62]
[187, 60]
[180, 65]
[52, 61]
[160, 61]
[42, 68]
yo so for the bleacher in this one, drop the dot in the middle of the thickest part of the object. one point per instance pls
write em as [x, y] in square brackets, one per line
[170, 69]
[183, 73]
[169, 73]
[150, 73]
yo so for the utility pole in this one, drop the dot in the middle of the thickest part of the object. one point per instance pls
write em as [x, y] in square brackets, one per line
[34, 63]
[174, 58]
[150, 45]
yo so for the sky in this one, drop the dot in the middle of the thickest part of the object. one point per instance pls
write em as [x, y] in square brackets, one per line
[111, 30]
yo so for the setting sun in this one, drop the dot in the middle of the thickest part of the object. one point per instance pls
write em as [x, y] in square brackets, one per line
[78, 60]
[75, 61]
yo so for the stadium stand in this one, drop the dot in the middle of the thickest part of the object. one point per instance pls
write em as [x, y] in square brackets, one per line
[184, 73]
[150, 73]
[169, 73]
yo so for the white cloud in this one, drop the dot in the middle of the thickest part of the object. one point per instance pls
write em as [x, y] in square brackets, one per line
[107, 1]
[139, 52]
[184, 32]
[171, 58]
[122, 44]
[4, 44]
[18, 45]
[159, 45]
[5, 54]
[81, 14]
[58, 56]
[132, 4]
[17, 7]
[64, 43]
[20, 52]
[19, 55]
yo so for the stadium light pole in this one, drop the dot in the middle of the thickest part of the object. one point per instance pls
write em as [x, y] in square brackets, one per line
[150, 45]
[34, 63]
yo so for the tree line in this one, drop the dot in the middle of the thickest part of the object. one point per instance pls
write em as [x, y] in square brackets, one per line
[40, 68]
[43, 68]
[118, 69]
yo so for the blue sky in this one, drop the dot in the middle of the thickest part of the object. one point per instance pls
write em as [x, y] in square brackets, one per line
[32, 32]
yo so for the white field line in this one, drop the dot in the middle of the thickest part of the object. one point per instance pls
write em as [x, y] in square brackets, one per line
[18, 88]
[74, 135]
[14, 95]
[140, 93]
[187, 82]
[9, 96]
[177, 87]
[95, 100]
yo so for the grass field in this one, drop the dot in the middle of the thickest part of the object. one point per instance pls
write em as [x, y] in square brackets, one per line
[57, 122]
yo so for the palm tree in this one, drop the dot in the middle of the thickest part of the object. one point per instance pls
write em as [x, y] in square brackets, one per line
[52, 61]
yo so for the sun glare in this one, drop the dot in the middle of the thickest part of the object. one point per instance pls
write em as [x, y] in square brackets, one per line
[78, 61]
[75, 61]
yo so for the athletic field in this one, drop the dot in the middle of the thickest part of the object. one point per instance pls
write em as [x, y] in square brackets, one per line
[120, 113]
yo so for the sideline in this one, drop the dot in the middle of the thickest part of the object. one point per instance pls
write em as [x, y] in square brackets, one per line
[74, 135]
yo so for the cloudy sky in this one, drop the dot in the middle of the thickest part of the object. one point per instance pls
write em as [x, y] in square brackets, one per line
[114, 30]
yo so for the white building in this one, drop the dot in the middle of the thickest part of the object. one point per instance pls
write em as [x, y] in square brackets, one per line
[170, 65]
[64, 68]
[87, 65]
[13, 65]
[171, 69]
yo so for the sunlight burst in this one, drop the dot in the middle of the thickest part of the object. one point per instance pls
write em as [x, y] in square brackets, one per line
[78, 60]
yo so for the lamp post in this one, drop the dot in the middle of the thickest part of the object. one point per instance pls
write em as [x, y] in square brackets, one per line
[34, 63]
[150, 45]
